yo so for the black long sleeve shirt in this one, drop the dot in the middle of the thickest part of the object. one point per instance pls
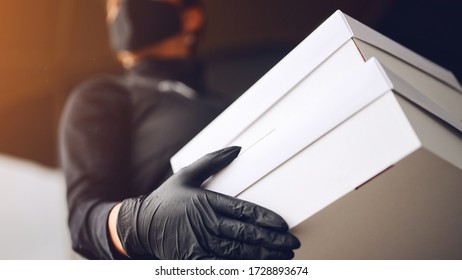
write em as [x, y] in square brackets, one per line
[116, 138]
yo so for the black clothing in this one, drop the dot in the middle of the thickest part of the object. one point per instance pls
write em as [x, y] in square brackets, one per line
[116, 138]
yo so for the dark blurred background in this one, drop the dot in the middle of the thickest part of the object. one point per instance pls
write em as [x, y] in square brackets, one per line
[49, 46]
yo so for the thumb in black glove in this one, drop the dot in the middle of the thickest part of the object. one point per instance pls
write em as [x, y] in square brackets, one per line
[179, 220]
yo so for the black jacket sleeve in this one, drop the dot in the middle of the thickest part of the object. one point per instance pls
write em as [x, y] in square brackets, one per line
[94, 140]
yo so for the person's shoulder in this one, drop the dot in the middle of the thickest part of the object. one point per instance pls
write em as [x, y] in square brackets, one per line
[100, 89]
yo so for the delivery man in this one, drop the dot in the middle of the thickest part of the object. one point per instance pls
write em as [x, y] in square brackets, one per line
[117, 135]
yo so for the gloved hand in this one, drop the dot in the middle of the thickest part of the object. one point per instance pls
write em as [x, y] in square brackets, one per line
[179, 220]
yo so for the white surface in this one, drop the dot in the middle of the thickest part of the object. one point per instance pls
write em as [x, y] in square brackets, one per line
[33, 211]
[322, 111]
[304, 94]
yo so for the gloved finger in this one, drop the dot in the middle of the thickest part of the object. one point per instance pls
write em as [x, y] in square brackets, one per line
[232, 249]
[246, 211]
[199, 171]
[256, 235]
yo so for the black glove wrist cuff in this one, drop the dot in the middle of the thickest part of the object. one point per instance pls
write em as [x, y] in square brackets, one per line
[127, 229]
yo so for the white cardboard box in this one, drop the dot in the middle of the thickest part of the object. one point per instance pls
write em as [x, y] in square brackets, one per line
[360, 130]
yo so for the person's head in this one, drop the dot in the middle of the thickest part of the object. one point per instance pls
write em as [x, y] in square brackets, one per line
[156, 28]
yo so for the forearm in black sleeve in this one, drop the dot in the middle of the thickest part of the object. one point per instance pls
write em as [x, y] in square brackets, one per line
[94, 149]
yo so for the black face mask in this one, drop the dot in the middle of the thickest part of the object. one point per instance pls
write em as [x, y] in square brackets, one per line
[141, 23]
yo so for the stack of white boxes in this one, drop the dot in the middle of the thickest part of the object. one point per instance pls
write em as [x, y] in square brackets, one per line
[349, 108]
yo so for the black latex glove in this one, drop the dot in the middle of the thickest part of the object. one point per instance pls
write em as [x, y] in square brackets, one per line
[179, 220]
